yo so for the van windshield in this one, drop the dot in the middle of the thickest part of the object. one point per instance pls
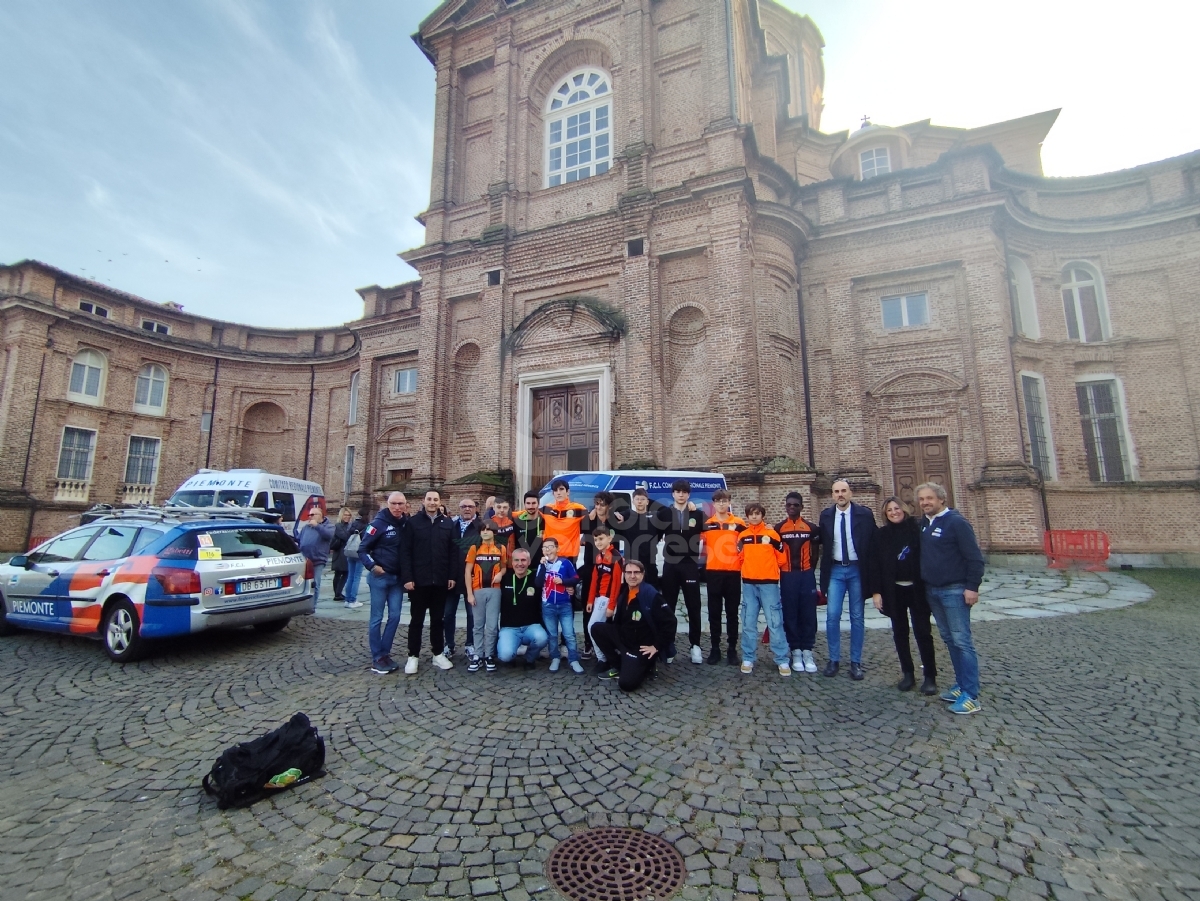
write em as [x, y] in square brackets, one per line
[206, 498]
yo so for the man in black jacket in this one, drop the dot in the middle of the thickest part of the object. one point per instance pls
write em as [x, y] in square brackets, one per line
[428, 555]
[639, 533]
[846, 532]
[379, 552]
[681, 526]
[640, 631]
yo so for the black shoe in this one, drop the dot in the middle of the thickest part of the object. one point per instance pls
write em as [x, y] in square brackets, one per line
[906, 683]
[529, 664]
[732, 657]
[490, 663]
[929, 686]
[856, 671]
[831, 668]
[715, 657]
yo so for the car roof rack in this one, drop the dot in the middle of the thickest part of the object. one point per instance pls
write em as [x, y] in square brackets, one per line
[183, 514]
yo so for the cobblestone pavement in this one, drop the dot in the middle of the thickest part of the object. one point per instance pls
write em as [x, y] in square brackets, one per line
[1006, 592]
[1078, 780]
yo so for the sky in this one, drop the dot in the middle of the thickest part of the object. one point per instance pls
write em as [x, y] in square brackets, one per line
[258, 160]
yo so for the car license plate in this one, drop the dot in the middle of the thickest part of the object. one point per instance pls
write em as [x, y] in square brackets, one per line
[248, 585]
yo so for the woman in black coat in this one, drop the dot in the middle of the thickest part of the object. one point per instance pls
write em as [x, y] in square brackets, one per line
[894, 583]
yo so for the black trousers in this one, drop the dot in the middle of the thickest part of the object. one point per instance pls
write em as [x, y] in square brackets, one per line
[909, 602]
[339, 583]
[686, 576]
[424, 599]
[634, 665]
[724, 591]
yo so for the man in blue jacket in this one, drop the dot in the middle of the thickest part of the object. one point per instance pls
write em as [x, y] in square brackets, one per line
[379, 554]
[952, 570]
[846, 532]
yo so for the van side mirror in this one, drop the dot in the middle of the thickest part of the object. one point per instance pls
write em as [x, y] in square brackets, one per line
[20, 560]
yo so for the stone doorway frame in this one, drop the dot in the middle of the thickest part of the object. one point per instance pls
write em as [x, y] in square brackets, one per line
[526, 384]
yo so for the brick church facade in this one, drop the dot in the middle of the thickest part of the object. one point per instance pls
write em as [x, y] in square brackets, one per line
[641, 250]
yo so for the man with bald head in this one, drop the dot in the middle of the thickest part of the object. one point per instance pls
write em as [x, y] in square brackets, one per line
[847, 530]
[379, 554]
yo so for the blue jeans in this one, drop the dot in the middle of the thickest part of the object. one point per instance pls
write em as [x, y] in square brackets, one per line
[845, 580]
[453, 596]
[318, 575]
[562, 616]
[953, 618]
[533, 637]
[764, 595]
[354, 570]
[386, 593]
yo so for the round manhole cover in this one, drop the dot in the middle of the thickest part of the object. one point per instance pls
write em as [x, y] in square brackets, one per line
[611, 864]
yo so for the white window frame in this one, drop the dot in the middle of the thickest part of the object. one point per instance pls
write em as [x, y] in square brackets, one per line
[348, 473]
[401, 376]
[91, 454]
[1024, 300]
[904, 321]
[159, 328]
[1126, 435]
[86, 357]
[352, 413]
[94, 308]
[562, 104]
[150, 408]
[876, 169]
[157, 457]
[1101, 300]
[1050, 473]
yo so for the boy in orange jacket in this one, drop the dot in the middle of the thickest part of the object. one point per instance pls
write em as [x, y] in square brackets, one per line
[604, 585]
[486, 563]
[762, 551]
[722, 573]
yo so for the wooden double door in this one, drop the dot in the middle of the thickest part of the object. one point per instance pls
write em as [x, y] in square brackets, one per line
[566, 430]
[919, 460]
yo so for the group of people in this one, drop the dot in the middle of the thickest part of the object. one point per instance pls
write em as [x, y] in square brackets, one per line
[517, 575]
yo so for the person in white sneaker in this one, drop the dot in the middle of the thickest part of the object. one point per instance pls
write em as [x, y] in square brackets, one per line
[798, 582]
[556, 580]
[681, 526]
[428, 559]
[761, 550]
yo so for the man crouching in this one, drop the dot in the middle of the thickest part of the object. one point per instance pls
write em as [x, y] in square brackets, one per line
[641, 629]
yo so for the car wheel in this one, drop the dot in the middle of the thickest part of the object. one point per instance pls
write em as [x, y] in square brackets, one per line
[275, 625]
[5, 628]
[119, 630]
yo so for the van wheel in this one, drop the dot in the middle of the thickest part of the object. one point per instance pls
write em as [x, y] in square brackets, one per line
[5, 627]
[275, 625]
[119, 630]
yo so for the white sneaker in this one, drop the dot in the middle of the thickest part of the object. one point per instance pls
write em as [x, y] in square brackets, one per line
[411, 666]
[810, 664]
[441, 662]
[797, 660]
[576, 666]
[697, 654]
[784, 669]
[555, 662]
[747, 667]
[353, 605]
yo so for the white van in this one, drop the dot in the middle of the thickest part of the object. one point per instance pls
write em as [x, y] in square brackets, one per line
[291, 498]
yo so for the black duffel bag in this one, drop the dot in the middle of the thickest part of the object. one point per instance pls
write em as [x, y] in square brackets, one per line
[240, 775]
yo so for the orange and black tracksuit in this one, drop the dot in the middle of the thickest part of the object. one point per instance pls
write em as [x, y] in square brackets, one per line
[486, 564]
[564, 520]
[608, 570]
[762, 553]
[723, 574]
[506, 533]
[798, 583]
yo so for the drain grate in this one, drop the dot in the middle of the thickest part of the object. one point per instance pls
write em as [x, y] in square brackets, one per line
[611, 864]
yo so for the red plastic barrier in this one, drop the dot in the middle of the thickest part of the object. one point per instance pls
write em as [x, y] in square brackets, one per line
[1067, 546]
[38, 539]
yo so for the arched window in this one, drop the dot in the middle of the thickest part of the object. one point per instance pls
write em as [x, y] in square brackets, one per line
[1025, 319]
[150, 395]
[1084, 304]
[88, 374]
[874, 162]
[579, 127]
